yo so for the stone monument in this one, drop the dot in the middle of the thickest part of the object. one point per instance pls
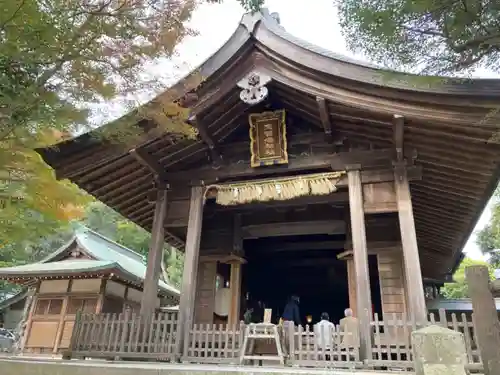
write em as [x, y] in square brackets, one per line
[439, 351]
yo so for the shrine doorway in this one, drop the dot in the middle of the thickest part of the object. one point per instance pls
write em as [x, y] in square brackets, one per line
[307, 266]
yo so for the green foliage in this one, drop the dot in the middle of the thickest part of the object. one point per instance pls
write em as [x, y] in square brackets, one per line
[249, 5]
[488, 238]
[111, 224]
[442, 37]
[459, 288]
[56, 58]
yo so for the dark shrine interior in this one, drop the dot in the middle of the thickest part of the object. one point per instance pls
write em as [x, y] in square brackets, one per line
[275, 271]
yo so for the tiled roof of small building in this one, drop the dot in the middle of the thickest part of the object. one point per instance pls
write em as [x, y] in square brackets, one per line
[105, 254]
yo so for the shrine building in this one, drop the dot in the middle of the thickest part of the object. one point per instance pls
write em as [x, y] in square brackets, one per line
[90, 273]
[311, 174]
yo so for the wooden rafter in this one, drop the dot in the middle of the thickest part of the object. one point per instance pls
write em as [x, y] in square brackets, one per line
[205, 135]
[149, 162]
[325, 117]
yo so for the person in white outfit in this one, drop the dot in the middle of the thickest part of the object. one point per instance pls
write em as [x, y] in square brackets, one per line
[324, 331]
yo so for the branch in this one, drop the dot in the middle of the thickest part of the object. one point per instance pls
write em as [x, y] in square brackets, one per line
[2, 26]
[67, 53]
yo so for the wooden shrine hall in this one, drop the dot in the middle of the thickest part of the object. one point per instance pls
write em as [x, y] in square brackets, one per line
[310, 174]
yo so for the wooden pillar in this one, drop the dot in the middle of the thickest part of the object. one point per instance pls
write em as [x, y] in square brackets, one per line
[205, 292]
[33, 300]
[190, 272]
[486, 324]
[235, 288]
[413, 273]
[155, 255]
[351, 283]
[360, 252]
[102, 296]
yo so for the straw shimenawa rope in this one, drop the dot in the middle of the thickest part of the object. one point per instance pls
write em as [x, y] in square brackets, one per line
[277, 189]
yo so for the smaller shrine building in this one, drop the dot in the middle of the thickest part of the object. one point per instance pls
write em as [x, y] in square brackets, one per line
[90, 273]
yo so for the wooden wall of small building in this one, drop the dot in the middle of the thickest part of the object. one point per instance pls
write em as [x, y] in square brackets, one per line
[53, 312]
[392, 284]
[117, 297]
[56, 303]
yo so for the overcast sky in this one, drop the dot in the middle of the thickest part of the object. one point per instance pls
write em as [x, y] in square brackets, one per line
[318, 24]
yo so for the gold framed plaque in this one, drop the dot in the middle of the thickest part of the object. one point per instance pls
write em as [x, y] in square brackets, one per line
[268, 144]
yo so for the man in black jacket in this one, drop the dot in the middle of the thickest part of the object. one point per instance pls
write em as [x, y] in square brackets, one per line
[291, 312]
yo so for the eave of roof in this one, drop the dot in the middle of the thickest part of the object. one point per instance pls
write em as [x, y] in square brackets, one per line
[65, 267]
[261, 27]
[74, 268]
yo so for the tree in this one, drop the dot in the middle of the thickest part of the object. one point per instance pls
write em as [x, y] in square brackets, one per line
[488, 238]
[459, 288]
[442, 37]
[111, 224]
[57, 57]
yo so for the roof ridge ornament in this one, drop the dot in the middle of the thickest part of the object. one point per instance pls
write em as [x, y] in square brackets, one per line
[276, 17]
[254, 87]
[251, 20]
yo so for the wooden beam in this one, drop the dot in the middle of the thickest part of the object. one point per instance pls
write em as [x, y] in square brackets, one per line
[325, 117]
[155, 256]
[263, 249]
[149, 162]
[368, 159]
[205, 135]
[398, 123]
[308, 262]
[294, 228]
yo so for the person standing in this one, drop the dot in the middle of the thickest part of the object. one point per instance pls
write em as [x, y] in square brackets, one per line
[291, 312]
[323, 330]
[350, 328]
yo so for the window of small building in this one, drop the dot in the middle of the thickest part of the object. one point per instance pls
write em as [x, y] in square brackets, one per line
[85, 305]
[49, 306]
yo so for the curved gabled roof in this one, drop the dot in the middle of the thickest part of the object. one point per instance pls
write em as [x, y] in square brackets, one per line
[451, 125]
[106, 255]
[265, 29]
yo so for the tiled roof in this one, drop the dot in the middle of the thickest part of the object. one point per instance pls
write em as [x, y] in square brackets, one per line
[106, 254]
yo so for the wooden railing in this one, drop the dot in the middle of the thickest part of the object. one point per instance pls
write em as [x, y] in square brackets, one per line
[214, 343]
[124, 336]
[330, 348]
[128, 336]
[392, 339]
